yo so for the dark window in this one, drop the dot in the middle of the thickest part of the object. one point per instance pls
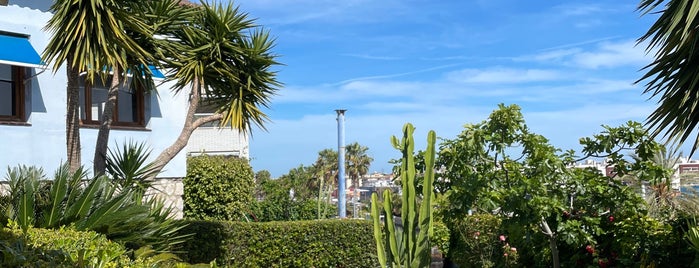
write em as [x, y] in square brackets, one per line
[11, 93]
[128, 110]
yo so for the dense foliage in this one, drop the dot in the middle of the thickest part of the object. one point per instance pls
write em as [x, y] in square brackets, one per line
[293, 196]
[59, 248]
[218, 187]
[96, 204]
[328, 243]
[555, 215]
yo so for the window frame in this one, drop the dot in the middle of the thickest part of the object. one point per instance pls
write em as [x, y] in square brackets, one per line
[18, 91]
[140, 96]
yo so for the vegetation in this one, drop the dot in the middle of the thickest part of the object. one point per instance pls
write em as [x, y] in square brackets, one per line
[407, 244]
[328, 243]
[673, 75]
[63, 247]
[100, 206]
[552, 214]
[217, 187]
[223, 62]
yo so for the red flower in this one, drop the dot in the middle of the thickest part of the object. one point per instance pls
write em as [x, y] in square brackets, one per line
[611, 218]
[590, 249]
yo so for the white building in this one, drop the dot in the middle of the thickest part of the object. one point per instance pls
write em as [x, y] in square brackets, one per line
[33, 105]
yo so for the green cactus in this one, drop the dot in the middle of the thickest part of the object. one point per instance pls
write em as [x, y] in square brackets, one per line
[409, 246]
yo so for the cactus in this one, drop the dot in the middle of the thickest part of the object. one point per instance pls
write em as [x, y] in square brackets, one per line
[409, 247]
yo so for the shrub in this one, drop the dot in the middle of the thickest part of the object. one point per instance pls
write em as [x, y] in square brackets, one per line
[97, 204]
[475, 241]
[326, 243]
[59, 248]
[217, 187]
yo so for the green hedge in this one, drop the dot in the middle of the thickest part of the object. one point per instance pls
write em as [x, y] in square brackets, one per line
[325, 243]
[218, 187]
[59, 248]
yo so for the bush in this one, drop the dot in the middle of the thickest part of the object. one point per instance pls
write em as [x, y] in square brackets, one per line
[326, 243]
[475, 241]
[217, 187]
[97, 204]
[59, 248]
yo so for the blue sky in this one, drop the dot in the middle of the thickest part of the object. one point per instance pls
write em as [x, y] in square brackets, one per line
[570, 65]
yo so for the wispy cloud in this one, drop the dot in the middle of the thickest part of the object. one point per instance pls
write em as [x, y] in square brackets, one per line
[371, 57]
[503, 76]
[386, 76]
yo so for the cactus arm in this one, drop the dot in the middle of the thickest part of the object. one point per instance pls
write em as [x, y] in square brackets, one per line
[378, 237]
[394, 255]
[422, 258]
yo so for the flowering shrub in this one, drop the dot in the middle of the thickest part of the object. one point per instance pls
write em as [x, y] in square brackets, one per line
[481, 242]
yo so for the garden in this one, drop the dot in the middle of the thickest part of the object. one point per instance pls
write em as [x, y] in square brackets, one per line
[497, 195]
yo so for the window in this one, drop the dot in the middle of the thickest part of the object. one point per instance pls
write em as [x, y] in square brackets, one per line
[11, 93]
[129, 109]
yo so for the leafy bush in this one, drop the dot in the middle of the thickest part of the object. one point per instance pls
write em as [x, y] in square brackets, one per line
[217, 187]
[59, 248]
[95, 204]
[326, 243]
[476, 241]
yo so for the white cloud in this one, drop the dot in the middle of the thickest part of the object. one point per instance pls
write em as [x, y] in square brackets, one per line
[610, 55]
[503, 76]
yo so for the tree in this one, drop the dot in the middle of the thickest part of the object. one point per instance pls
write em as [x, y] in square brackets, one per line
[160, 17]
[499, 166]
[673, 75]
[222, 61]
[86, 34]
[326, 170]
[358, 163]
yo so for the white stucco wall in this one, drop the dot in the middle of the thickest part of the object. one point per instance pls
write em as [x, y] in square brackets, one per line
[43, 142]
[218, 141]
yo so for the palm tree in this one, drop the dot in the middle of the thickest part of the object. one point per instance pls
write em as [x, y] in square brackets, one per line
[88, 35]
[222, 61]
[358, 163]
[160, 17]
[326, 170]
[673, 75]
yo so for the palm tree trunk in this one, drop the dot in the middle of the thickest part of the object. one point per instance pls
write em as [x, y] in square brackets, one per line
[72, 117]
[100, 158]
[189, 126]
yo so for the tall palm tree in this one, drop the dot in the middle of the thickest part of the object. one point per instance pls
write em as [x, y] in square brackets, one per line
[674, 74]
[160, 17]
[326, 170]
[358, 163]
[88, 35]
[221, 60]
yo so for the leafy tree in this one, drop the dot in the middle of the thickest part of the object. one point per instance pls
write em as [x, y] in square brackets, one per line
[291, 197]
[221, 60]
[86, 34]
[673, 75]
[499, 166]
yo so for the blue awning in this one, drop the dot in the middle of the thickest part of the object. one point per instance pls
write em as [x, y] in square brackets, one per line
[156, 73]
[16, 50]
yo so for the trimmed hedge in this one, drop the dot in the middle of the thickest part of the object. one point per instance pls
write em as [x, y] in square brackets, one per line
[59, 248]
[325, 243]
[218, 188]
